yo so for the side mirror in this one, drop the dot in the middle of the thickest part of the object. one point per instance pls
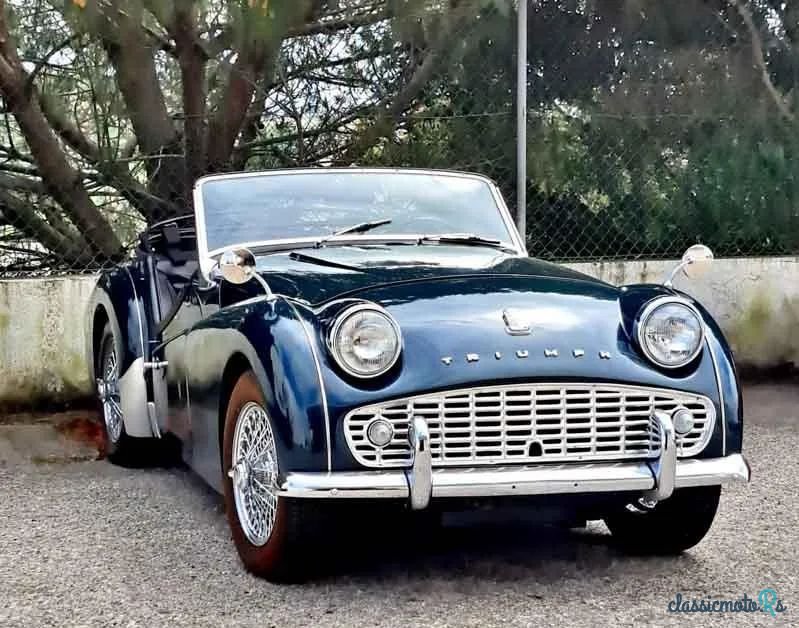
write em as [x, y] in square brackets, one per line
[237, 266]
[696, 261]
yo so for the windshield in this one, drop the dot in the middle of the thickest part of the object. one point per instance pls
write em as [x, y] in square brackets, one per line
[315, 204]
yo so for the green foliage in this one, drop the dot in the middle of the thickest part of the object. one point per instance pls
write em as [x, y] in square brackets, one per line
[652, 125]
[638, 149]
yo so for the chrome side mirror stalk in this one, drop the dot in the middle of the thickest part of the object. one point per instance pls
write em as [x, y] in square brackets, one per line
[695, 262]
[237, 266]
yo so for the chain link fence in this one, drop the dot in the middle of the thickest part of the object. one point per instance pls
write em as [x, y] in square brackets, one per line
[648, 130]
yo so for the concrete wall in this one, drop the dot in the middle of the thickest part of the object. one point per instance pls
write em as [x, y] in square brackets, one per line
[42, 340]
[756, 301]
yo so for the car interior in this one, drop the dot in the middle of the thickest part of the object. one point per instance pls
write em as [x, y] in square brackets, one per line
[170, 248]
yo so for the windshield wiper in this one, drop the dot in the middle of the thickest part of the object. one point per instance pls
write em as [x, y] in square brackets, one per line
[467, 239]
[310, 259]
[361, 227]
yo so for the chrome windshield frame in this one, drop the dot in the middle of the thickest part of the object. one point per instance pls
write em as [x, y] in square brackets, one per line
[206, 256]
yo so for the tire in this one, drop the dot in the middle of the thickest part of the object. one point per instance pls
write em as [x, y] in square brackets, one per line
[275, 550]
[120, 448]
[671, 527]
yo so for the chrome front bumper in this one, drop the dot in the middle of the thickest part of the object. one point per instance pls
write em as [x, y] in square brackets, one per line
[656, 479]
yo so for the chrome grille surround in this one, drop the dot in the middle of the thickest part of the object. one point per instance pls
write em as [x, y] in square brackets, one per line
[529, 423]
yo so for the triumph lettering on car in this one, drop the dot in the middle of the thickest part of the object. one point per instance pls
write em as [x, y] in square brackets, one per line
[346, 335]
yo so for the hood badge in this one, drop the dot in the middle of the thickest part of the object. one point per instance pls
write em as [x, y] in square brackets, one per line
[523, 354]
[515, 323]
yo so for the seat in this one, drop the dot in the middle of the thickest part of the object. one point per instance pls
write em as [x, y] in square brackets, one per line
[171, 280]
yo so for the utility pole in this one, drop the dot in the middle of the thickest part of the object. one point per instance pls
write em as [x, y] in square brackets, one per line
[521, 120]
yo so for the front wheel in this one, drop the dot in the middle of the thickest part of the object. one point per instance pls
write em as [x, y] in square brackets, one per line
[671, 526]
[270, 532]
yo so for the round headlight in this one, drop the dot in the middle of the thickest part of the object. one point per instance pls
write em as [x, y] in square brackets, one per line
[365, 341]
[670, 332]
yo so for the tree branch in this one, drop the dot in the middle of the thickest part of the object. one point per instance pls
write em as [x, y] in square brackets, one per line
[130, 51]
[388, 111]
[111, 172]
[61, 178]
[760, 61]
[327, 27]
[183, 29]
[70, 247]
[260, 46]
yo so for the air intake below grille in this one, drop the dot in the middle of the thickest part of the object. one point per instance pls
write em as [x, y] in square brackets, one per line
[531, 423]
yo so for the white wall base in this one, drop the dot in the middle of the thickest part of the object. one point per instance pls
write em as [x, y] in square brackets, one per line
[755, 300]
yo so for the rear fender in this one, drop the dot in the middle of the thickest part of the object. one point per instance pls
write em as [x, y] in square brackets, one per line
[118, 298]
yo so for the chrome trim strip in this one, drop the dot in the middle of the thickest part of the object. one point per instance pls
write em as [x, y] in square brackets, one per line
[293, 243]
[518, 242]
[345, 484]
[542, 480]
[322, 390]
[524, 480]
[138, 310]
[133, 387]
[714, 360]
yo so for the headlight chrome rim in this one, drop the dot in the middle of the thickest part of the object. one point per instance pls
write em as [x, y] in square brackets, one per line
[345, 315]
[650, 309]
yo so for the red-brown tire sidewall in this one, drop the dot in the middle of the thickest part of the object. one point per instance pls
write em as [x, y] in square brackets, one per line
[270, 558]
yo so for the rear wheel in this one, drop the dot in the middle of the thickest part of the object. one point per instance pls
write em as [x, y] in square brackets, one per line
[270, 532]
[120, 448]
[671, 526]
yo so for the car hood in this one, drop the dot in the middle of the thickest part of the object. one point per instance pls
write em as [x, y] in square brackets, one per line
[456, 332]
[349, 270]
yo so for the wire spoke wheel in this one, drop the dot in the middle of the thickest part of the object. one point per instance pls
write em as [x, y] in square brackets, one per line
[254, 473]
[108, 390]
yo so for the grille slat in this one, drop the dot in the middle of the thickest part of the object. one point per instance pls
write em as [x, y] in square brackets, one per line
[531, 423]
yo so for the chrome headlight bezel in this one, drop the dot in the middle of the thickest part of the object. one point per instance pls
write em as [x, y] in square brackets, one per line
[648, 310]
[333, 346]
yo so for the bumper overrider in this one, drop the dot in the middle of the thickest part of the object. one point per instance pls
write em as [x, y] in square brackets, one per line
[656, 479]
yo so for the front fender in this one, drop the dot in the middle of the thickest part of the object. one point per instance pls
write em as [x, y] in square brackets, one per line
[728, 433]
[729, 386]
[273, 340]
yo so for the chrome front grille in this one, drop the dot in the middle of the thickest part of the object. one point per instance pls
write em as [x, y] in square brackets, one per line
[531, 423]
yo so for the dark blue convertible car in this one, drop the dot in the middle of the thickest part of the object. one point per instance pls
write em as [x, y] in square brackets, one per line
[311, 337]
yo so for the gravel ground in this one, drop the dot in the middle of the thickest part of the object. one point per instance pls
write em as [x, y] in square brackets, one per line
[88, 544]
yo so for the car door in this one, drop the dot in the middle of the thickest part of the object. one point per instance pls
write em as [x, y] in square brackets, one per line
[176, 305]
